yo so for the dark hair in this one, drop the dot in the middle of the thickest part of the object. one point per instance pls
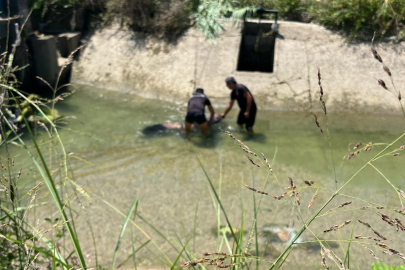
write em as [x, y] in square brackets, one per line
[230, 80]
[199, 90]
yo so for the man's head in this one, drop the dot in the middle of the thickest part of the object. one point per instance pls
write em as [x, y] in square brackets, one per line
[230, 83]
[199, 90]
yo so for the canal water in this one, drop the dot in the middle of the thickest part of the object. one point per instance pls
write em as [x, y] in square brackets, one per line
[116, 157]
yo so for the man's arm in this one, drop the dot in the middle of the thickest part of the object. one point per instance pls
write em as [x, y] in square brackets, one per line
[228, 108]
[248, 97]
[212, 114]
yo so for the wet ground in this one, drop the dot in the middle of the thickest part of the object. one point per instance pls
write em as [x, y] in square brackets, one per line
[113, 160]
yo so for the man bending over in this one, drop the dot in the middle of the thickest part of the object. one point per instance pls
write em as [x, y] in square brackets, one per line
[196, 112]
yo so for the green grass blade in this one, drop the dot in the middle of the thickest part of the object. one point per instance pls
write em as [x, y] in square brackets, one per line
[136, 226]
[287, 255]
[53, 191]
[255, 230]
[55, 196]
[239, 243]
[217, 209]
[23, 208]
[94, 243]
[133, 247]
[195, 223]
[185, 248]
[39, 250]
[219, 201]
[347, 257]
[55, 255]
[226, 241]
[158, 232]
[135, 251]
[133, 208]
[52, 188]
[181, 252]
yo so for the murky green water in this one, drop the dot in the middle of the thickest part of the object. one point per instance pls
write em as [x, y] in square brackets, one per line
[112, 159]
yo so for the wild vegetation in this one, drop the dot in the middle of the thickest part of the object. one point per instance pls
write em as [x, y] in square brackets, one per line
[358, 18]
[54, 243]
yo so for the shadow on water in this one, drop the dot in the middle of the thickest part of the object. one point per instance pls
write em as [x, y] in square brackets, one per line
[209, 142]
[216, 136]
[257, 137]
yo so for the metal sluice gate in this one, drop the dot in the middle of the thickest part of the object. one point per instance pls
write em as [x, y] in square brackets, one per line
[256, 52]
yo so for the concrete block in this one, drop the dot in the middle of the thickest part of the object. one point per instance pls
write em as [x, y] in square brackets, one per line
[45, 57]
[68, 42]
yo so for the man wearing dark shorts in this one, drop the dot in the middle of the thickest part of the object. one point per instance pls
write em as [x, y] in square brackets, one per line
[196, 112]
[247, 105]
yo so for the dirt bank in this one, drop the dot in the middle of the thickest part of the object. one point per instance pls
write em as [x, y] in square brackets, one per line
[125, 61]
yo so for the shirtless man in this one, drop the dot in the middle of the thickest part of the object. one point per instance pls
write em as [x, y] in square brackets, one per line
[196, 112]
[247, 105]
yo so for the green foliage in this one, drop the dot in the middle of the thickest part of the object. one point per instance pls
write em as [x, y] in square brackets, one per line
[61, 3]
[383, 266]
[360, 15]
[209, 14]
[354, 16]
[149, 15]
[291, 9]
[47, 5]
[133, 208]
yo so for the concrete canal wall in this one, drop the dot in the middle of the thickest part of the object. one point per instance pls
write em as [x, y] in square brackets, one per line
[122, 60]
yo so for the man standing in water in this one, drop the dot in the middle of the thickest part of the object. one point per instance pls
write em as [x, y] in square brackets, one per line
[247, 105]
[196, 112]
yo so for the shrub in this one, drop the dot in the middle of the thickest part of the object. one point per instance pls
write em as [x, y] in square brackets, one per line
[354, 16]
[141, 15]
[144, 14]
[360, 16]
[295, 10]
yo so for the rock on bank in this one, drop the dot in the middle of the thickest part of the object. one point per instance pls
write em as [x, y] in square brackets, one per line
[125, 61]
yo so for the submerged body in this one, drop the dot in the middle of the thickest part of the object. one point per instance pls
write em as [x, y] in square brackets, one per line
[160, 129]
[168, 127]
